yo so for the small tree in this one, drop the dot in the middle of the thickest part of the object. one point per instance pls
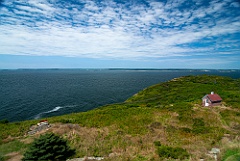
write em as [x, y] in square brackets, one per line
[48, 147]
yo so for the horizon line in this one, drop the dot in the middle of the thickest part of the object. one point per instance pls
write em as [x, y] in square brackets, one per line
[116, 69]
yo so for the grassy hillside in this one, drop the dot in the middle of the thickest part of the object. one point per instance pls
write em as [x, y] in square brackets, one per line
[167, 114]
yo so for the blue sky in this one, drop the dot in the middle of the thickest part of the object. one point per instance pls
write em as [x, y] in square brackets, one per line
[120, 34]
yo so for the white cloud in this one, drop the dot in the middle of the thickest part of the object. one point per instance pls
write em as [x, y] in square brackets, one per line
[235, 4]
[111, 30]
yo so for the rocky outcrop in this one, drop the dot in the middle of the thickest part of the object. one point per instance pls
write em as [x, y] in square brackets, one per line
[42, 125]
[86, 159]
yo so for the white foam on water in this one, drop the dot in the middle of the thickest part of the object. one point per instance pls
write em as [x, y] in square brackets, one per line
[53, 110]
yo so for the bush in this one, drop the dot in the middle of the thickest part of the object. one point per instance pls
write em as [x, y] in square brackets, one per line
[48, 147]
[4, 121]
[1, 158]
[170, 152]
[186, 130]
[157, 143]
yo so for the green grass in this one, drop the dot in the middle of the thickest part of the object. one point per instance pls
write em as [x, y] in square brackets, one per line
[131, 120]
[231, 155]
[13, 146]
[15, 129]
[235, 157]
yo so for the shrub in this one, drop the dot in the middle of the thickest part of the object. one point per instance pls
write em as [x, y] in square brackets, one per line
[157, 143]
[5, 121]
[171, 152]
[48, 147]
[186, 130]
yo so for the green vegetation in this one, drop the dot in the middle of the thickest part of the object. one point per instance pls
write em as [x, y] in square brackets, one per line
[170, 152]
[199, 126]
[169, 112]
[48, 147]
[232, 155]
[5, 121]
[190, 89]
[14, 129]
[1, 158]
[12, 146]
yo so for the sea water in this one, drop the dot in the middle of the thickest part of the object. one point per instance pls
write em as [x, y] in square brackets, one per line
[34, 94]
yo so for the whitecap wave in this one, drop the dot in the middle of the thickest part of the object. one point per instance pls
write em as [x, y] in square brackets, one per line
[53, 110]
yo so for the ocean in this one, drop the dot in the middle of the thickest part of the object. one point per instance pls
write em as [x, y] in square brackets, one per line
[36, 93]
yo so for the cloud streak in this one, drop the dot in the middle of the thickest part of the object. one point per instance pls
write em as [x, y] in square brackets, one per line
[143, 30]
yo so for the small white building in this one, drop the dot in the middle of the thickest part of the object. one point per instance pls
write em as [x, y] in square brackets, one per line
[211, 100]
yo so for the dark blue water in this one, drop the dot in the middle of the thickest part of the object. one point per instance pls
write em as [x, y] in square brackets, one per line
[32, 94]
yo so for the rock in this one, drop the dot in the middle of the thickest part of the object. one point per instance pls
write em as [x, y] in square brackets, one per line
[111, 155]
[39, 127]
[214, 151]
[86, 159]
[95, 158]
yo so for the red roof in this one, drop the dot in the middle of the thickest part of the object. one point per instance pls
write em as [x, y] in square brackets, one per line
[43, 121]
[214, 97]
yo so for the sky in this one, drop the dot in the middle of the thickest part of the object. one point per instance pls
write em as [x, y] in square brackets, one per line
[196, 34]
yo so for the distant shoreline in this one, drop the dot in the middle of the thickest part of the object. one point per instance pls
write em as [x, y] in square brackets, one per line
[134, 69]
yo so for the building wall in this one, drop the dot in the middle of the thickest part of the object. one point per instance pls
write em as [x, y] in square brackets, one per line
[206, 102]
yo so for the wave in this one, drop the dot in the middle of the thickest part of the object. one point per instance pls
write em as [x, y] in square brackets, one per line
[55, 109]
